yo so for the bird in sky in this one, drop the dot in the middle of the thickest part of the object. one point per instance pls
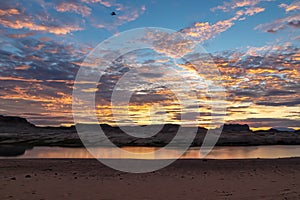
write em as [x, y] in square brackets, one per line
[113, 13]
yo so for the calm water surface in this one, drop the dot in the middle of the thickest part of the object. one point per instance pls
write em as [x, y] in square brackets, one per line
[277, 151]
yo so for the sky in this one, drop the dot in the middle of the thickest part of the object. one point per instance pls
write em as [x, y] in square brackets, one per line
[254, 44]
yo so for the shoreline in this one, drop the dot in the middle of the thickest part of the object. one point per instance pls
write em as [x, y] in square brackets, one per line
[183, 179]
[14, 159]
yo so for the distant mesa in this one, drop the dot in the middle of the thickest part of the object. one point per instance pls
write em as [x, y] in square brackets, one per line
[282, 129]
[8, 121]
[12, 150]
[14, 121]
[235, 128]
[17, 131]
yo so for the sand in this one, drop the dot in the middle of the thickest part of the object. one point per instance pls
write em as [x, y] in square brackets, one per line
[184, 179]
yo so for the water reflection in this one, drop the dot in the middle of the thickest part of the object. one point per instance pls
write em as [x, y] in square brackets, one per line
[278, 151]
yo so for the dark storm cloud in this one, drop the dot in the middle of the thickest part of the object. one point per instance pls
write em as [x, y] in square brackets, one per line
[270, 122]
[280, 93]
[294, 102]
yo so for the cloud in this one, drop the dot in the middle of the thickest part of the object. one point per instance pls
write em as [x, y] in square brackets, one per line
[22, 67]
[19, 79]
[295, 24]
[255, 77]
[262, 75]
[234, 4]
[250, 11]
[124, 15]
[15, 18]
[292, 7]
[73, 6]
[9, 12]
[295, 102]
[27, 24]
[279, 24]
[20, 35]
[38, 86]
[296, 37]
[269, 122]
[37, 75]
[102, 2]
[204, 31]
[133, 16]
[60, 17]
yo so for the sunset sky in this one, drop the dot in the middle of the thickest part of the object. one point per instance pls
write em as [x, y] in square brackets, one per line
[254, 43]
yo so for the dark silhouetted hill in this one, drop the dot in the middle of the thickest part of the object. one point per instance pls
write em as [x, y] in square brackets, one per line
[18, 131]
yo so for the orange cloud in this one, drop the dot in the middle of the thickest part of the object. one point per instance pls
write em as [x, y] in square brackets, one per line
[293, 6]
[72, 7]
[22, 67]
[102, 2]
[250, 11]
[9, 12]
[25, 23]
[228, 6]
[296, 57]
[20, 79]
[204, 31]
[13, 18]
[22, 35]
[172, 44]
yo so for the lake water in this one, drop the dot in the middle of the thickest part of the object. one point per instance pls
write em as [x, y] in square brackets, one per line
[278, 151]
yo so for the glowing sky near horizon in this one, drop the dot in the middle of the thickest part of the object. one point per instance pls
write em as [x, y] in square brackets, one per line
[254, 43]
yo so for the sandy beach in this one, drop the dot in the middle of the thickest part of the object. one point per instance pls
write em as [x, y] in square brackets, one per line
[184, 179]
